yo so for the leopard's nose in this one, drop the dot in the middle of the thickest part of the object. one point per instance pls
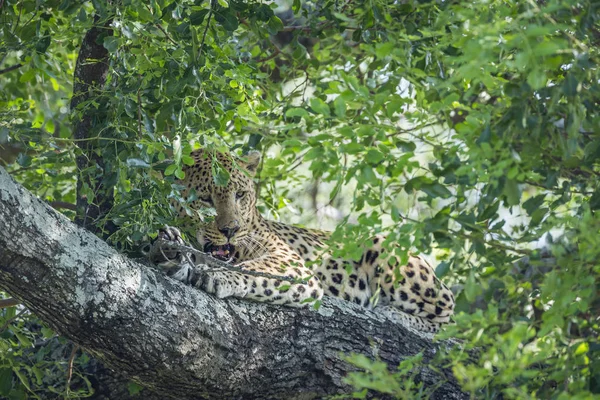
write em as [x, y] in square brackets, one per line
[229, 231]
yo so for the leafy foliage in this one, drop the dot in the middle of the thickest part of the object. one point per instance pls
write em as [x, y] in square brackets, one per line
[465, 130]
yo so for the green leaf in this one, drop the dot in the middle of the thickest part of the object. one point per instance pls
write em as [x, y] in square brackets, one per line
[133, 388]
[43, 44]
[512, 191]
[296, 112]
[534, 203]
[408, 147]
[6, 375]
[227, 19]
[472, 288]
[274, 25]
[582, 348]
[353, 148]
[284, 288]
[436, 189]
[374, 156]
[537, 79]
[339, 106]
[196, 18]
[430, 187]
[570, 85]
[264, 12]
[384, 49]
[187, 160]
[170, 169]
[296, 6]
[111, 44]
[22, 377]
[47, 332]
[220, 175]
[319, 106]
[442, 269]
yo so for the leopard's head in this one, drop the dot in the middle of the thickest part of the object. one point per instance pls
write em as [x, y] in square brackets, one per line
[234, 203]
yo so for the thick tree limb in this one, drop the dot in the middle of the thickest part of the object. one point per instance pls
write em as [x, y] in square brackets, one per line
[177, 340]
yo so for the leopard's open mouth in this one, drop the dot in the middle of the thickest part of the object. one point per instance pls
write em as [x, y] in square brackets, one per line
[224, 252]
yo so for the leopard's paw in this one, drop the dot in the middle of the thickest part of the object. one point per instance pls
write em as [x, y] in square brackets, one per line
[163, 254]
[222, 284]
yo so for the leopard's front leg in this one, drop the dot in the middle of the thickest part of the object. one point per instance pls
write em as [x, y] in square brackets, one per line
[278, 277]
[297, 286]
[269, 280]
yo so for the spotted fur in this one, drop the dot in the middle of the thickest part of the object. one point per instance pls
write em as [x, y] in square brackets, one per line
[412, 291]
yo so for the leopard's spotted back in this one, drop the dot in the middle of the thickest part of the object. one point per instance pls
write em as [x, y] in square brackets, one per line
[412, 288]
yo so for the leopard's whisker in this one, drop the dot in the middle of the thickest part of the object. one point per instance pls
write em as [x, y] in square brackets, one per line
[254, 246]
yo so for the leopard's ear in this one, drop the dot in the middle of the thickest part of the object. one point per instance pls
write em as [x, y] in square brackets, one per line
[252, 161]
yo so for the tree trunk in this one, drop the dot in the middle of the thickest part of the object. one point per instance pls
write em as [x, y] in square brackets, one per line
[180, 341]
[89, 78]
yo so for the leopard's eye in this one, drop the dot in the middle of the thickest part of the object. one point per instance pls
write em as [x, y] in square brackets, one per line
[239, 195]
[206, 199]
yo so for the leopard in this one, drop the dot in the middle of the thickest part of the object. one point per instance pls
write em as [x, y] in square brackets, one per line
[283, 264]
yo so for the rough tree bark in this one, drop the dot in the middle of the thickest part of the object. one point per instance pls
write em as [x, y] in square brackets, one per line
[89, 78]
[180, 341]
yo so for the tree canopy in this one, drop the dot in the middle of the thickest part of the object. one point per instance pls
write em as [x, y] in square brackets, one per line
[467, 131]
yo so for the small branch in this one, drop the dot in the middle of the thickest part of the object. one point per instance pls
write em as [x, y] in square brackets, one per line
[275, 53]
[11, 68]
[167, 35]
[70, 367]
[139, 111]
[5, 303]
[210, 12]
[306, 29]
[163, 29]
[63, 204]
[213, 264]
[10, 320]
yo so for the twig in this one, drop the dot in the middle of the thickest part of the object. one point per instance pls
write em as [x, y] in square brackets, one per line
[166, 35]
[210, 12]
[139, 111]
[11, 68]
[159, 26]
[320, 25]
[63, 204]
[10, 320]
[70, 368]
[5, 303]
[19, 17]
[210, 263]
[275, 53]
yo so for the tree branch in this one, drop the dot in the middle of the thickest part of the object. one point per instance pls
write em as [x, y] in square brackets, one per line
[89, 78]
[11, 68]
[5, 303]
[180, 341]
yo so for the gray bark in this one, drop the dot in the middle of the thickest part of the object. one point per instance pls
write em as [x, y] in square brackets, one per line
[180, 341]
